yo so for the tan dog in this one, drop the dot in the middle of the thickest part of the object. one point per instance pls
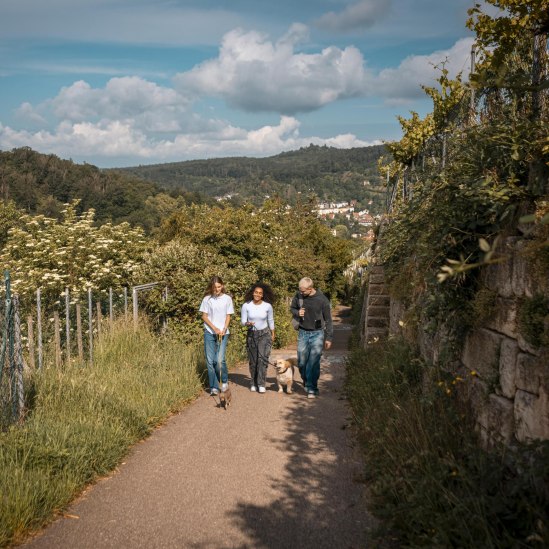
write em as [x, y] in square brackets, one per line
[285, 373]
[225, 398]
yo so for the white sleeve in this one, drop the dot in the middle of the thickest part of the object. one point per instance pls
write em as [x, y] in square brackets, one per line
[204, 305]
[244, 315]
[230, 306]
[270, 317]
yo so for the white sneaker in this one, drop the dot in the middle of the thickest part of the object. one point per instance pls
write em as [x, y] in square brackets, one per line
[253, 388]
[214, 392]
[261, 389]
[224, 387]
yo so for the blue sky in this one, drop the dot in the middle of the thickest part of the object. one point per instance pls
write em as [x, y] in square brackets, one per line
[126, 82]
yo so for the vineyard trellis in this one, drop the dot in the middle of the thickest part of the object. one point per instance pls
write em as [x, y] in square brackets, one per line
[477, 106]
[42, 341]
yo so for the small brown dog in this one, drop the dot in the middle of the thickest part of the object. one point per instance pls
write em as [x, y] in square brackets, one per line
[225, 398]
[285, 373]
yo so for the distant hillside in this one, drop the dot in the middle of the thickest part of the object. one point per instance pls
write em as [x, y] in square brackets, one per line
[41, 184]
[327, 172]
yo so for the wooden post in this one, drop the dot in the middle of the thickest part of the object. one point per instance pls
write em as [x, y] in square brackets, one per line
[39, 328]
[111, 313]
[125, 303]
[67, 326]
[79, 333]
[90, 324]
[30, 325]
[57, 339]
[99, 318]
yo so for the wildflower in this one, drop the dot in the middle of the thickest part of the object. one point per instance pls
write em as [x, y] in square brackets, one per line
[473, 373]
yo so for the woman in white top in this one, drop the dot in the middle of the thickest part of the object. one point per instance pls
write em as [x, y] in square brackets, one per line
[257, 314]
[216, 308]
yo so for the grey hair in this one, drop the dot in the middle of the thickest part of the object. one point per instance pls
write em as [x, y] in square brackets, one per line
[306, 282]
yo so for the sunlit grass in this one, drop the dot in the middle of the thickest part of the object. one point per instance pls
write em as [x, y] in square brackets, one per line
[83, 418]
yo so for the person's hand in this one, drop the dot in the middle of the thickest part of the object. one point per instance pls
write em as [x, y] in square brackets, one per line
[302, 312]
[327, 344]
[217, 331]
[223, 332]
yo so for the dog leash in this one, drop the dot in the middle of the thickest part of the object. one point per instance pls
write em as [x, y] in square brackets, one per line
[256, 343]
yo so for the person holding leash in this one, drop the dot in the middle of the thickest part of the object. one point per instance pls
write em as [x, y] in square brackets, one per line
[216, 308]
[257, 314]
[311, 308]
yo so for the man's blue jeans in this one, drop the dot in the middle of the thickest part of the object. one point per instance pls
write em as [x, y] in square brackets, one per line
[309, 351]
[214, 353]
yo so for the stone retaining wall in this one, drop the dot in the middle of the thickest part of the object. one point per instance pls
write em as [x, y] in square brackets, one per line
[507, 379]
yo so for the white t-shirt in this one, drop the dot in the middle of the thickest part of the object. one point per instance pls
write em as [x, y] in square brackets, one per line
[261, 315]
[217, 308]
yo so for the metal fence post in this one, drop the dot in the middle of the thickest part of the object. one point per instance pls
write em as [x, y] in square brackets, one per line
[134, 299]
[19, 396]
[111, 313]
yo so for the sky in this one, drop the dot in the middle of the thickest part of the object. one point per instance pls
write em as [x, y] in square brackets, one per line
[132, 82]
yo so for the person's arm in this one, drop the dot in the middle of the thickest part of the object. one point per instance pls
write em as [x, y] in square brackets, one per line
[327, 313]
[270, 320]
[294, 307]
[207, 321]
[227, 322]
[244, 315]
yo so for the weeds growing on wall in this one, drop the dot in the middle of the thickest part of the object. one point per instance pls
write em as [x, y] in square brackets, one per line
[83, 419]
[431, 484]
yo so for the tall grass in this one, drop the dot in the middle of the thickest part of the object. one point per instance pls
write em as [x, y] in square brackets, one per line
[432, 485]
[83, 419]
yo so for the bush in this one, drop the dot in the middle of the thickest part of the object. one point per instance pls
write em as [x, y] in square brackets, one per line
[431, 483]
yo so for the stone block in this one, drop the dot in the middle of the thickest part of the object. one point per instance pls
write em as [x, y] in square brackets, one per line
[504, 317]
[396, 314]
[508, 367]
[527, 347]
[522, 279]
[377, 322]
[481, 353]
[376, 279]
[531, 416]
[498, 277]
[378, 300]
[377, 289]
[497, 420]
[378, 311]
[531, 373]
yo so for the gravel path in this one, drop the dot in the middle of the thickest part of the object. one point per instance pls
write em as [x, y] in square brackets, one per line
[272, 471]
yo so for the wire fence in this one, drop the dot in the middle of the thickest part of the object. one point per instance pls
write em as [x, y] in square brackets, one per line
[477, 107]
[54, 335]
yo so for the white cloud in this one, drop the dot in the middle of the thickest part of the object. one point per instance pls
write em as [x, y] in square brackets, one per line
[114, 139]
[404, 82]
[361, 15]
[255, 74]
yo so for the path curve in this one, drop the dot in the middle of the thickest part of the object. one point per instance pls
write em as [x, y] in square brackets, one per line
[273, 471]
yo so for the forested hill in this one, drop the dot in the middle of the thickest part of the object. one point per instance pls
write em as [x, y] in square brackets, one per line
[41, 183]
[327, 172]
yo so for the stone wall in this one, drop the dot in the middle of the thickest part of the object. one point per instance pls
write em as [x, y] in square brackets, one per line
[507, 379]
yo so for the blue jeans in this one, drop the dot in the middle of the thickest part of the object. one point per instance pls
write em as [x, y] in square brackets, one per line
[309, 351]
[213, 354]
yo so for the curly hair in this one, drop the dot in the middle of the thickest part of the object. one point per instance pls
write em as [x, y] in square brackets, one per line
[268, 294]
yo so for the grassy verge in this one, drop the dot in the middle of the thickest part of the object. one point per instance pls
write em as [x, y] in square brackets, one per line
[431, 483]
[83, 419]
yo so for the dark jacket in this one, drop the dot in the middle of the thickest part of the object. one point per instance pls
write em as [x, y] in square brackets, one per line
[318, 313]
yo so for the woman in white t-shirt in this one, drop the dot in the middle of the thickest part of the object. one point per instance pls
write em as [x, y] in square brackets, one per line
[216, 308]
[257, 314]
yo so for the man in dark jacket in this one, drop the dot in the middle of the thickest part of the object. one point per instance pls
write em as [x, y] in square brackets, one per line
[311, 308]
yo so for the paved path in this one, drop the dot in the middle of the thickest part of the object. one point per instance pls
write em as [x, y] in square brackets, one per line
[273, 471]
